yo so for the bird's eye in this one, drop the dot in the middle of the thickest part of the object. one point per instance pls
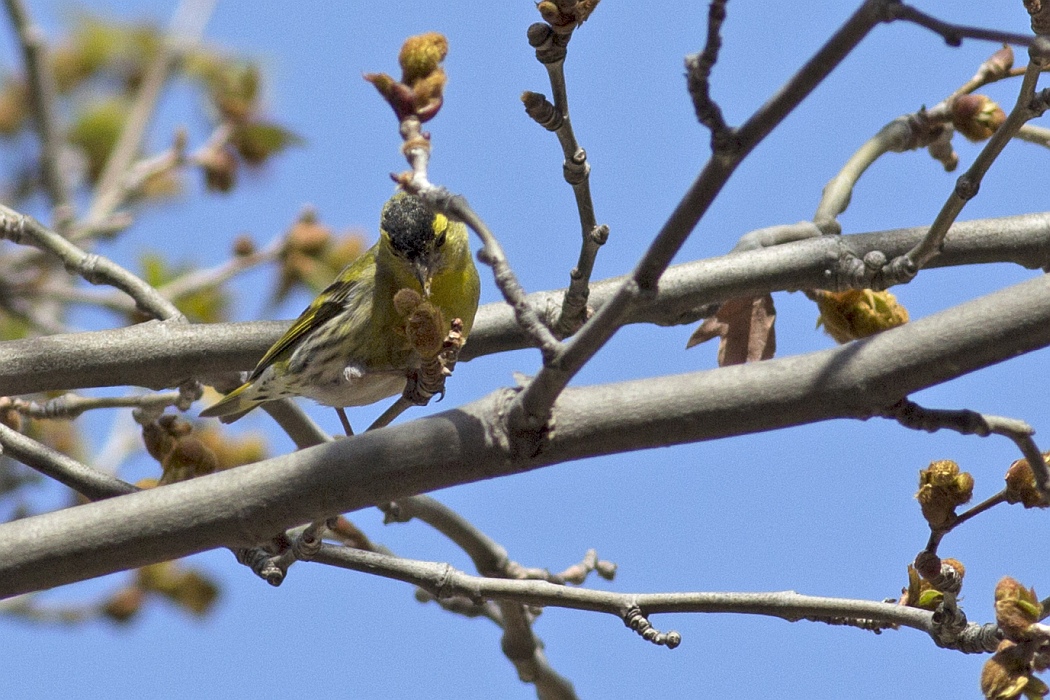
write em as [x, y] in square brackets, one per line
[440, 240]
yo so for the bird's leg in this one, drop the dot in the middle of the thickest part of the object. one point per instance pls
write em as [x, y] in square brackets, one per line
[345, 421]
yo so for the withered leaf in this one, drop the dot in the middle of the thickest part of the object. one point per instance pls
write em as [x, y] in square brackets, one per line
[745, 328]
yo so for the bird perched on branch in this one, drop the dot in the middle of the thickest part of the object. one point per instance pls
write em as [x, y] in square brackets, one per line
[350, 346]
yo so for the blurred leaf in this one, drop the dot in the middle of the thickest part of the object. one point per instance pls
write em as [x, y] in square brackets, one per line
[257, 141]
[95, 131]
[12, 328]
[233, 450]
[189, 588]
[208, 305]
[89, 47]
[14, 107]
[98, 47]
[745, 328]
[232, 85]
[61, 435]
[163, 185]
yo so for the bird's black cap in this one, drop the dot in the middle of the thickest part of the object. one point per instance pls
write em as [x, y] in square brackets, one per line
[410, 225]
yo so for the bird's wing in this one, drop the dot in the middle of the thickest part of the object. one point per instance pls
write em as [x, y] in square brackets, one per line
[324, 308]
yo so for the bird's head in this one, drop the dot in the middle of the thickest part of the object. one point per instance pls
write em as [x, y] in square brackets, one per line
[416, 235]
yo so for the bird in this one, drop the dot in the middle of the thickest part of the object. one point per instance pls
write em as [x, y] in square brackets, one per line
[349, 346]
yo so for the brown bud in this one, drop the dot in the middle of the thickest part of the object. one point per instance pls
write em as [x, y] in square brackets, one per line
[189, 459]
[428, 95]
[1021, 487]
[243, 245]
[308, 235]
[425, 329]
[1016, 608]
[1000, 62]
[124, 604]
[158, 441]
[406, 301]
[220, 169]
[976, 116]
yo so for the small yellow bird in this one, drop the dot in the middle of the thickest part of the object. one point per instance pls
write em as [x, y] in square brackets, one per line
[349, 347]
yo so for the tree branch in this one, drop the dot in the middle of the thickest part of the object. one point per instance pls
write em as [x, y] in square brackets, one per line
[443, 581]
[158, 356]
[93, 268]
[530, 410]
[471, 444]
[90, 482]
[42, 99]
[187, 24]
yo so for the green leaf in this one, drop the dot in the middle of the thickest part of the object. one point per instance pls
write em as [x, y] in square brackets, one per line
[257, 141]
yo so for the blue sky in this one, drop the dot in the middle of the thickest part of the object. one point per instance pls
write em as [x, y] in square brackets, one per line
[826, 509]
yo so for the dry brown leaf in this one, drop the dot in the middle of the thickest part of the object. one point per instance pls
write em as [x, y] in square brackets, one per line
[745, 327]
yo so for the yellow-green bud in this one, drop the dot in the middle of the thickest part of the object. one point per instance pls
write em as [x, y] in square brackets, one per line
[858, 313]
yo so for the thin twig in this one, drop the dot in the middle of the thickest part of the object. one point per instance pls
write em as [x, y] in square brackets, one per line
[698, 73]
[71, 406]
[180, 287]
[42, 101]
[530, 409]
[187, 25]
[1039, 135]
[966, 187]
[936, 535]
[905, 133]
[94, 268]
[198, 280]
[953, 34]
[911, 415]
[37, 316]
[444, 581]
[91, 483]
[551, 51]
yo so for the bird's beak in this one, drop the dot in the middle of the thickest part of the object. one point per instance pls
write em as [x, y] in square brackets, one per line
[423, 274]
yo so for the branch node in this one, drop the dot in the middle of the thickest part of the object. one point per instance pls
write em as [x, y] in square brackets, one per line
[966, 187]
[638, 622]
[600, 234]
[542, 111]
[262, 563]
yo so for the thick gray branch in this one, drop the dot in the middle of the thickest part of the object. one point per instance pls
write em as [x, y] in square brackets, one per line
[244, 506]
[159, 355]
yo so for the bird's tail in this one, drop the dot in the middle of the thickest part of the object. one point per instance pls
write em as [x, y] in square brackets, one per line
[232, 406]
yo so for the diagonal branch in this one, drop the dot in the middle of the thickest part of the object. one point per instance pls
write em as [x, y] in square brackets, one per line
[88, 481]
[187, 24]
[92, 267]
[530, 410]
[42, 100]
[1027, 106]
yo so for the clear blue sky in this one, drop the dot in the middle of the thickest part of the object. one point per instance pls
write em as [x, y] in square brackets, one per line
[824, 510]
